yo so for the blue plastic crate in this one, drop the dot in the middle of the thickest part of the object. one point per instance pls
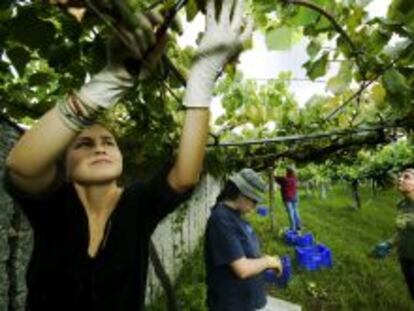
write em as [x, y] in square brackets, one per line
[304, 240]
[290, 237]
[282, 280]
[270, 276]
[314, 257]
[326, 254]
[262, 210]
[382, 250]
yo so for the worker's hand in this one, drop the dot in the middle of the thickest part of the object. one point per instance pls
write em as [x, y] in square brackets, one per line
[404, 220]
[141, 37]
[274, 262]
[138, 58]
[128, 54]
[410, 220]
[222, 39]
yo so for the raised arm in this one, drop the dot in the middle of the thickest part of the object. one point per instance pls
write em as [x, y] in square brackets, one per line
[32, 162]
[223, 38]
[187, 168]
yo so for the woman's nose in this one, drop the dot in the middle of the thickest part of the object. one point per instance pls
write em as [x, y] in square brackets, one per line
[100, 148]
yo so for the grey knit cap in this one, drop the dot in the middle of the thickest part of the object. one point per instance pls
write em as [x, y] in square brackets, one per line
[249, 183]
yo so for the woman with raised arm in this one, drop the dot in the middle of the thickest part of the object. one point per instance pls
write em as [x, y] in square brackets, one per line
[91, 235]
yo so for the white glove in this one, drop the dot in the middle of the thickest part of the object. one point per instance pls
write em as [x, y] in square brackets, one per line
[107, 87]
[222, 40]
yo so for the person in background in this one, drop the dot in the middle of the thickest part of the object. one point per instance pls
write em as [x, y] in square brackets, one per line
[404, 223]
[289, 191]
[233, 259]
[91, 235]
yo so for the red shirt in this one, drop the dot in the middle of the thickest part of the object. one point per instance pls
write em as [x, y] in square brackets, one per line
[289, 185]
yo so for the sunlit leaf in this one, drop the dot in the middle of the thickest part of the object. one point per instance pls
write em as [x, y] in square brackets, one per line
[356, 17]
[304, 17]
[378, 94]
[317, 68]
[191, 10]
[402, 11]
[313, 48]
[342, 80]
[344, 46]
[282, 38]
[377, 40]
[395, 82]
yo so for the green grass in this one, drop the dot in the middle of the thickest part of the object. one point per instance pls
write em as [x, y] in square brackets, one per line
[356, 281]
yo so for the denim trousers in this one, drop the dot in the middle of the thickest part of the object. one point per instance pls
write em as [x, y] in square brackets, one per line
[293, 213]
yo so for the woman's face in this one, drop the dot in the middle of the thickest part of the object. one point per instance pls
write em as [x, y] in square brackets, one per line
[93, 157]
[245, 204]
[405, 182]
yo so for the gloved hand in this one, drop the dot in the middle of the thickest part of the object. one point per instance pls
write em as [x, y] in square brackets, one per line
[285, 275]
[280, 270]
[274, 263]
[108, 86]
[223, 38]
[382, 249]
[404, 220]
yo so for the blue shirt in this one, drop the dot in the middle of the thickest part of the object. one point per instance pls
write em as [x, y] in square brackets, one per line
[228, 238]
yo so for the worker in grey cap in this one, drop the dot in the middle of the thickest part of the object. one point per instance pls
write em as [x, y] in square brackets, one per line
[233, 259]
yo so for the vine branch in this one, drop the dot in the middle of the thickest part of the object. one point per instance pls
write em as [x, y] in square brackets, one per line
[312, 153]
[368, 83]
[293, 138]
[169, 16]
[329, 16]
[337, 27]
[162, 275]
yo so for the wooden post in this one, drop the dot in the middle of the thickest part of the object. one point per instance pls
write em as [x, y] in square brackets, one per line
[355, 193]
[272, 202]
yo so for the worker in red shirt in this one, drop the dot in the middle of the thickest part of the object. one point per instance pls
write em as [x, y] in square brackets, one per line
[288, 189]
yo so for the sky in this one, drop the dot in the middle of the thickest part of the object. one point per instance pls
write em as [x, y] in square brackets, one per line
[261, 64]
